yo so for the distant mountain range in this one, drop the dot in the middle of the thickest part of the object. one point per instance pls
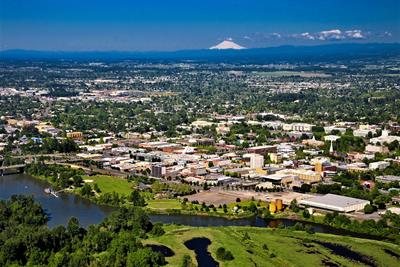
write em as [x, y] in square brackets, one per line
[255, 55]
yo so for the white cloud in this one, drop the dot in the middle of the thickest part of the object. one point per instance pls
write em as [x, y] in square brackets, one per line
[335, 34]
[331, 35]
[307, 35]
[276, 35]
[387, 34]
[321, 36]
[355, 34]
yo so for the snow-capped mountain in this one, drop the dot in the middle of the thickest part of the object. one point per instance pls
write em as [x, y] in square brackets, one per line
[227, 45]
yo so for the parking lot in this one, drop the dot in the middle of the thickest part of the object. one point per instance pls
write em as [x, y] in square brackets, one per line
[220, 197]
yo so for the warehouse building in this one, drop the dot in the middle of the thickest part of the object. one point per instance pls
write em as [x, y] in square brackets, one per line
[333, 202]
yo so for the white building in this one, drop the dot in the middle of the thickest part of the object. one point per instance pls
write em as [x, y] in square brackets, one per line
[385, 138]
[201, 124]
[363, 133]
[256, 161]
[329, 129]
[300, 127]
[333, 202]
[379, 165]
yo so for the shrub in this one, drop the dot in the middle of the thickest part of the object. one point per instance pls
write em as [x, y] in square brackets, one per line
[298, 226]
[224, 255]
[368, 209]
[187, 261]
[157, 230]
[306, 214]
[246, 236]
[309, 229]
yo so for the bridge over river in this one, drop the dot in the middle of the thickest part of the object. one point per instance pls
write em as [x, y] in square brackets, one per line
[18, 167]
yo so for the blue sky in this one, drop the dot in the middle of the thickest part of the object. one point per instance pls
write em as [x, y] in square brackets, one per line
[192, 24]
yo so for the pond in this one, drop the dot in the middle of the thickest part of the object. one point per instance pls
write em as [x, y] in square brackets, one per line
[200, 246]
[347, 253]
[166, 251]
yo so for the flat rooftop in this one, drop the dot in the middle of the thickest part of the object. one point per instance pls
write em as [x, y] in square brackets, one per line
[333, 202]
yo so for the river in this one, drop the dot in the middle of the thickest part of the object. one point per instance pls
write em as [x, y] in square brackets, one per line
[67, 205]
[60, 209]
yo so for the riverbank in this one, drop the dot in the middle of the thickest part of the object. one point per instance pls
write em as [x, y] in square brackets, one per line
[199, 212]
[252, 246]
[60, 209]
[121, 187]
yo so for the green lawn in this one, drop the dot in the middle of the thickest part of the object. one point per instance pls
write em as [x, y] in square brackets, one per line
[111, 184]
[175, 204]
[163, 204]
[284, 247]
[246, 203]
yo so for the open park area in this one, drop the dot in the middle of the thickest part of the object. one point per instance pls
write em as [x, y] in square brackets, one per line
[277, 247]
[220, 197]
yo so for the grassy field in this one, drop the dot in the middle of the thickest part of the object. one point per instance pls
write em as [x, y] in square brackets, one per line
[163, 204]
[268, 247]
[175, 205]
[111, 184]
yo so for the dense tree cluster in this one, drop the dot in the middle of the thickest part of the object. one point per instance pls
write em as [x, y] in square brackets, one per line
[175, 189]
[25, 240]
[59, 175]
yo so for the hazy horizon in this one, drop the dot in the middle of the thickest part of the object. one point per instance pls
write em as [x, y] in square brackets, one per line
[188, 50]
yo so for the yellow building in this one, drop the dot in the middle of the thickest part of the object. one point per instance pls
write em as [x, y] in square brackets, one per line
[306, 176]
[318, 167]
[75, 135]
[272, 207]
[275, 157]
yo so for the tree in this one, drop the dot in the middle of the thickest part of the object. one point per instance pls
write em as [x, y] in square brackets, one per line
[245, 236]
[157, 230]
[368, 209]
[309, 229]
[305, 188]
[73, 227]
[77, 180]
[252, 207]
[136, 198]
[224, 255]
[187, 261]
[96, 188]
[293, 206]
[144, 257]
[298, 226]
[86, 190]
[225, 208]
[306, 213]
